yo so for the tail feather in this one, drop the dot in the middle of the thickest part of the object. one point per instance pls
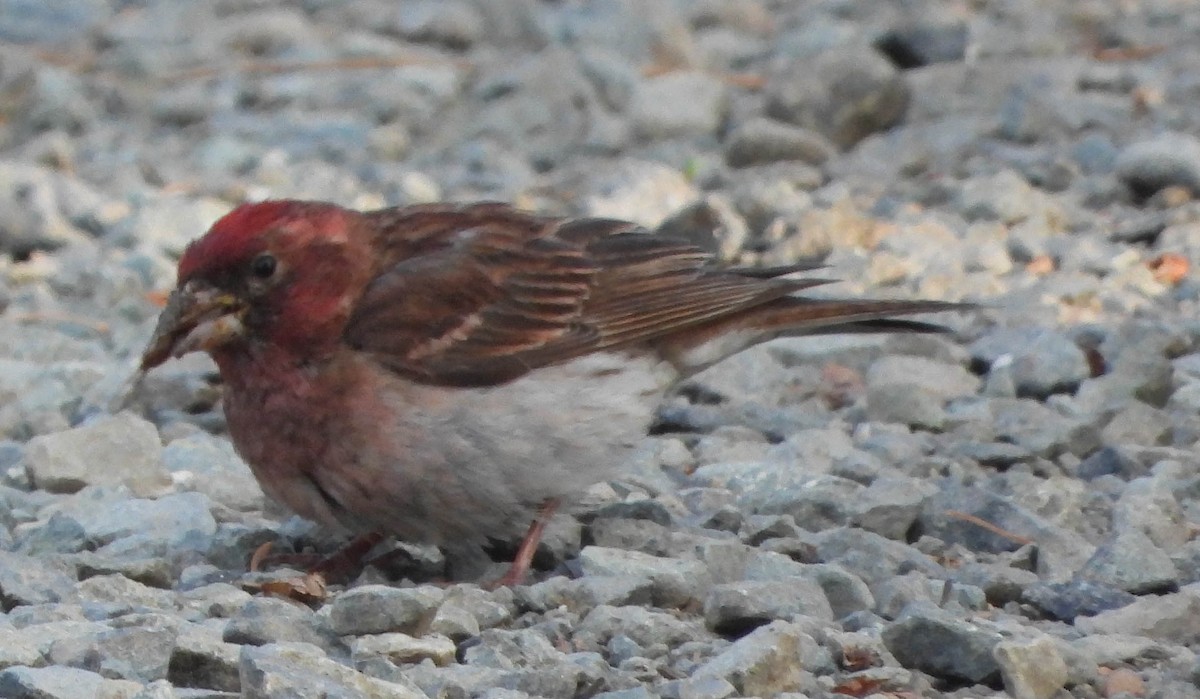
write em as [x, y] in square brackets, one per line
[701, 347]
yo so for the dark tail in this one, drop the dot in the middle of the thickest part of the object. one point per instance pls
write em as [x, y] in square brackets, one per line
[790, 316]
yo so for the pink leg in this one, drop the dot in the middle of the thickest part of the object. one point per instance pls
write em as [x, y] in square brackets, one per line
[520, 566]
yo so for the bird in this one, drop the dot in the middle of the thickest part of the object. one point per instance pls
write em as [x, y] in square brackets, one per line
[450, 374]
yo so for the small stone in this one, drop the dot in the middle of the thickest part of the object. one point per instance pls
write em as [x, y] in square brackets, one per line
[1031, 669]
[645, 627]
[288, 670]
[1122, 682]
[765, 662]
[1173, 617]
[734, 608]
[929, 639]
[675, 582]
[1068, 600]
[846, 94]
[267, 620]
[1040, 361]
[17, 649]
[584, 594]
[209, 465]
[201, 659]
[1166, 160]
[403, 649]
[49, 683]
[890, 506]
[381, 609]
[122, 449]
[26, 580]
[762, 140]
[1130, 561]
[678, 104]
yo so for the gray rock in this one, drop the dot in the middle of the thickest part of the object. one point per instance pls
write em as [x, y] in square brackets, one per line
[953, 516]
[115, 595]
[1068, 600]
[711, 224]
[767, 661]
[456, 24]
[209, 465]
[631, 535]
[846, 592]
[734, 608]
[180, 520]
[28, 580]
[298, 670]
[946, 381]
[614, 76]
[1031, 669]
[1137, 423]
[760, 140]
[50, 22]
[1150, 505]
[402, 649]
[678, 105]
[1039, 429]
[138, 653]
[1005, 197]
[35, 196]
[380, 609]
[268, 620]
[1130, 561]
[1166, 160]
[1172, 617]
[1001, 584]
[702, 688]
[507, 650]
[674, 582]
[201, 659]
[58, 683]
[1040, 361]
[1111, 461]
[122, 449]
[644, 626]
[166, 224]
[17, 649]
[906, 403]
[489, 609]
[893, 596]
[928, 639]
[1095, 153]
[846, 94]
[871, 557]
[635, 190]
[455, 622]
[940, 39]
[890, 506]
[584, 594]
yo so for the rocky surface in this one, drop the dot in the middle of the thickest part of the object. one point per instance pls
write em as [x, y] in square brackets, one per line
[1003, 511]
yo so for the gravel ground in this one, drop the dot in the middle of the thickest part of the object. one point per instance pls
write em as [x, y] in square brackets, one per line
[1008, 510]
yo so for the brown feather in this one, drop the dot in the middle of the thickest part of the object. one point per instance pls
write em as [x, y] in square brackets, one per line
[529, 291]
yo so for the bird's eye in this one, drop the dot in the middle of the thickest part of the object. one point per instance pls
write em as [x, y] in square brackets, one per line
[263, 266]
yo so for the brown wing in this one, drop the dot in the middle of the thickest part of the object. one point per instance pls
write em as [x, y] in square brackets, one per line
[481, 295]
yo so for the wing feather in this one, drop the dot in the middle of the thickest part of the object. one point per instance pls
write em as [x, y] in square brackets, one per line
[480, 294]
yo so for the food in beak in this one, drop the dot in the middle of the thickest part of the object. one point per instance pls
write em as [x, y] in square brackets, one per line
[196, 318]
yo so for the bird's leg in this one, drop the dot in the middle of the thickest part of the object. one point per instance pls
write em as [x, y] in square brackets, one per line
[520, 565]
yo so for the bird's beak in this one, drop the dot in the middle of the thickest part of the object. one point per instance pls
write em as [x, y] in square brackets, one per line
[197, 318]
